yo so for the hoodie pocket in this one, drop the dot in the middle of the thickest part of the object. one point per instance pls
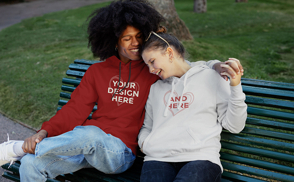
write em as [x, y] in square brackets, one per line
[170, 143]
[193, 135]
[188, 143]
[145, 143]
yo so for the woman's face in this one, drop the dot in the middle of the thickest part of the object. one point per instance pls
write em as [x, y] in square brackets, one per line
[129, 44]
[158, 63]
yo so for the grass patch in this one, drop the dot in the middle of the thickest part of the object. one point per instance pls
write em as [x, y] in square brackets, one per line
[259, 33]
[35, 53]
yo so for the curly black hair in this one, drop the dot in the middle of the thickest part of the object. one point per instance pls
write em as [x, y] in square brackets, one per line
[107, 24]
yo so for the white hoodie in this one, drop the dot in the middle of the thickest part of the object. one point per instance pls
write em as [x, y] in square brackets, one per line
[186, 125]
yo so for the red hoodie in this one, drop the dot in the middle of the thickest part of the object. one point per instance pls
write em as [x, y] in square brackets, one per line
[121, 115]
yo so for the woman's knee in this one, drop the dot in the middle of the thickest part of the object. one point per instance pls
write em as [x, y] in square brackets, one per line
[200, 170]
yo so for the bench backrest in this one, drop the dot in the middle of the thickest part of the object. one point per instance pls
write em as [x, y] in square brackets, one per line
[263, 150]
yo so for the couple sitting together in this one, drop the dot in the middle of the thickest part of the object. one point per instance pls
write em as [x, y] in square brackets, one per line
[147, 94]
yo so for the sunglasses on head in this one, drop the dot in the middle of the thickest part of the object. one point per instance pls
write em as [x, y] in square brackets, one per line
[158, 37]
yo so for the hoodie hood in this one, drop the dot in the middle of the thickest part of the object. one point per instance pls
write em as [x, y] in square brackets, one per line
[178, 82]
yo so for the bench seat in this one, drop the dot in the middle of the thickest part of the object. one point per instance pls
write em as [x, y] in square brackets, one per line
[263, 151]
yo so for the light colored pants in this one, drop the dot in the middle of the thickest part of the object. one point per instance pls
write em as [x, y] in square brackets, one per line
[83, 147]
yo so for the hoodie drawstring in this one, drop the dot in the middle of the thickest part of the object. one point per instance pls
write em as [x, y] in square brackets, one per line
[119, 80]
[172, 91]
[181, 98]
[170, 95]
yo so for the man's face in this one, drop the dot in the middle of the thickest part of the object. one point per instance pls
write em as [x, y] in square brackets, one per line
[129, 44]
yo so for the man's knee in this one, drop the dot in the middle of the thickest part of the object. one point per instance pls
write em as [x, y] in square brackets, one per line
[27, 163]
[90, 132]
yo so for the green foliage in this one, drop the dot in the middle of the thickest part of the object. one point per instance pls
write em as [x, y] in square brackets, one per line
[259, 33]
[35, 54]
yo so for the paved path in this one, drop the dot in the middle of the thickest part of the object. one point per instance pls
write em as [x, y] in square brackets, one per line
[12, 14]
[15, 131]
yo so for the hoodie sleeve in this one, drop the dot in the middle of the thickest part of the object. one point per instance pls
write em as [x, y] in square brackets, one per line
[206, 63]
[77, 109]
[231, 106]
[148, 121]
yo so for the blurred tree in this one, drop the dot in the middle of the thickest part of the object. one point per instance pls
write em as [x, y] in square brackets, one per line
[200, 6]
[241, 1]
[173, 23]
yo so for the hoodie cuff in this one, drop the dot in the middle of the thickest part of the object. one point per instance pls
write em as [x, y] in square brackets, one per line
[211, 63]
[49, 130]
[237, 92]
[140, 142]
[142, 138]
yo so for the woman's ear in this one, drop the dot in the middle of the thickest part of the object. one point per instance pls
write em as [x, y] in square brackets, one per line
[170, 52]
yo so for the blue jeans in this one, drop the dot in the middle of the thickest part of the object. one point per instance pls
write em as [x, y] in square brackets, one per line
[200, 171]
[83, 147]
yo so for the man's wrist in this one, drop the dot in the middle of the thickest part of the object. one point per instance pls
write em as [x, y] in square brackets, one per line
[43, 132]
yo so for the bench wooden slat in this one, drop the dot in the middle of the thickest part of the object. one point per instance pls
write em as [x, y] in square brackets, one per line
[258, 151]
[79, 67]
[237, 177]
[256, 172]
[258, 163]
[65, 95]
[274, 93]
[252, 140]
[71, 81]
[270, 113]
[67, 88]
[79, 74]
[13, 168]
[62, 102]
[84, 61]
[10, 176]
[268, 133]
[270, 102]
[268, 84]
[270, 123]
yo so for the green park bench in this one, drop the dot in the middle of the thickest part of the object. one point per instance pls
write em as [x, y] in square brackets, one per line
[263, 151]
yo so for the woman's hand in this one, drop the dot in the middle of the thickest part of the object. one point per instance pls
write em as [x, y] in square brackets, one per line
[229, 69]
[30, 143]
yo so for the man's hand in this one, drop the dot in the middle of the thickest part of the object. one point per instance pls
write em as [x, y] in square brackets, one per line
[30, 143]
[231, 68]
